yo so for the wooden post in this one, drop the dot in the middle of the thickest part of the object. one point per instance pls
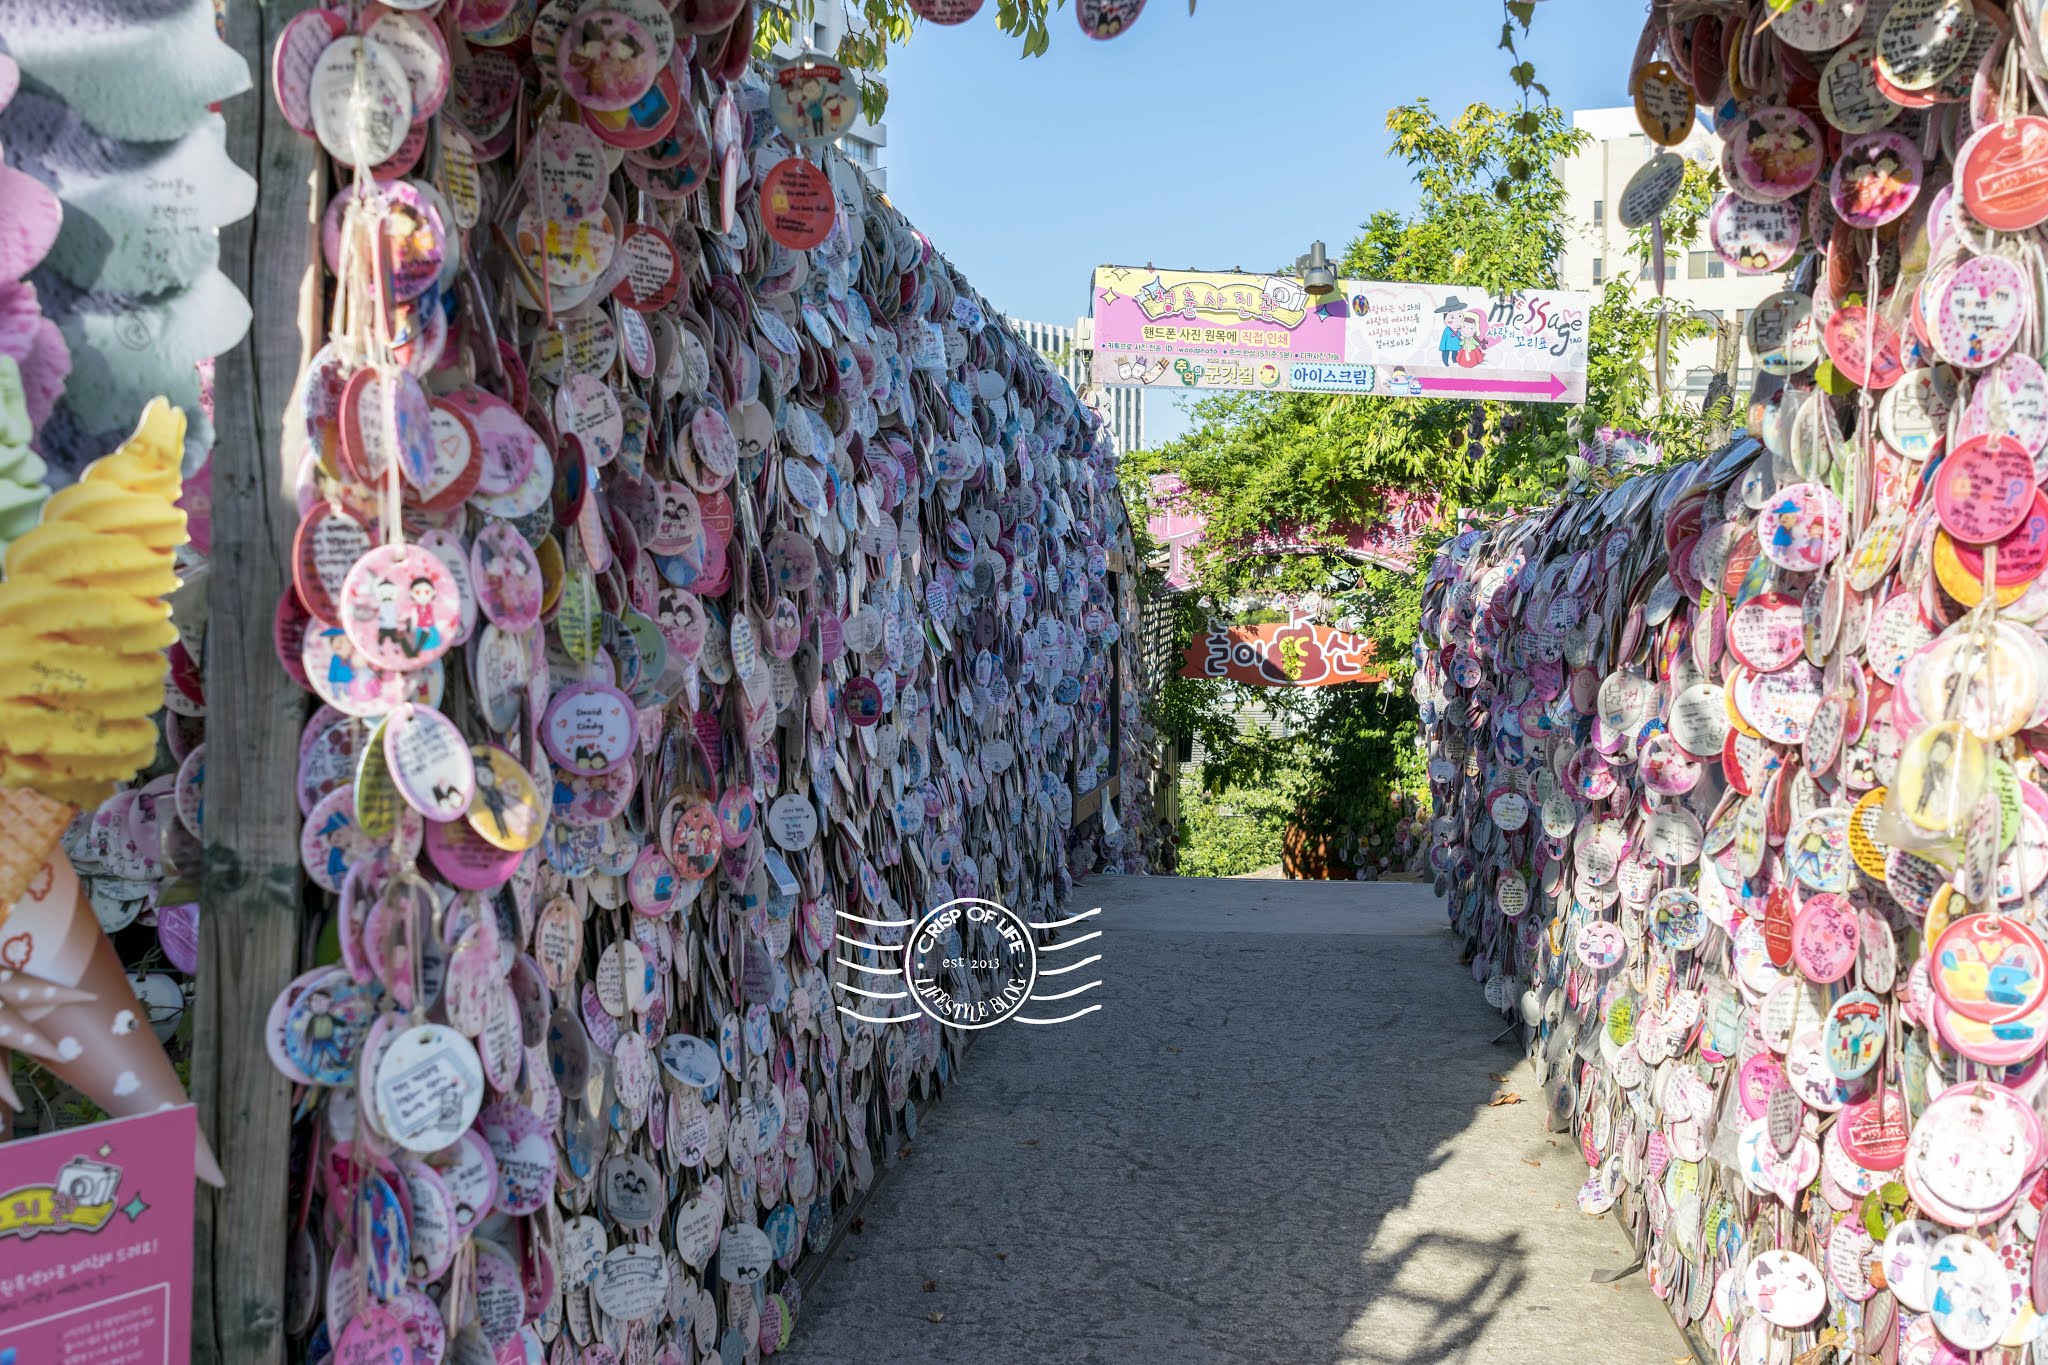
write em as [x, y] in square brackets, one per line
[249, 924]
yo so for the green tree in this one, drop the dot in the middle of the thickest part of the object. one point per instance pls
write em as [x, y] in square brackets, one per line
[1231, 831]
[1490, 216]
[1256, 462]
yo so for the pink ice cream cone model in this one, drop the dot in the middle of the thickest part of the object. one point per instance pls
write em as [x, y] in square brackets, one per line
[64, 997]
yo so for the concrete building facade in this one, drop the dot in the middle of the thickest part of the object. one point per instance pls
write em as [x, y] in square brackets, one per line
[1599, 248]
[1070, 350]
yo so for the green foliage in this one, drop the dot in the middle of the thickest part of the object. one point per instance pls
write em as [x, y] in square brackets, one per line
[1198, 708]
[1232, 831]
[1518, 14]
[1348, 772]
[1623, 392]
[1361, 741]
[1466, 230]
[1256, 464]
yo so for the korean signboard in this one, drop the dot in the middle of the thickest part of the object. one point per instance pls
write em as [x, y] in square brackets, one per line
[1301, 653]
[1212, 330]
[96, 1243]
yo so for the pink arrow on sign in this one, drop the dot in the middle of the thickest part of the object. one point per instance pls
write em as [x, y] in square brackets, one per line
[1550, 389]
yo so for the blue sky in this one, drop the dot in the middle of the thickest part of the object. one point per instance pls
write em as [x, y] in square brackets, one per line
[1231, 138]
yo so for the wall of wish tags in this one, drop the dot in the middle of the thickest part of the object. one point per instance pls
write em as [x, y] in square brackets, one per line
[1775, 922]
[698, 583]
[1738, 767]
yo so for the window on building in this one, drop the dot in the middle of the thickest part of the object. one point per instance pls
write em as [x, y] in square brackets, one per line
[1697, 380]
[1696, 265]
[1599, 269]
[1742, 320]
[1671, 268]
[1599, 211]
[818, 35]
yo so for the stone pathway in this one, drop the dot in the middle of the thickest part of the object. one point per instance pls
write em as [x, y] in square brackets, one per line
[1273, 1145]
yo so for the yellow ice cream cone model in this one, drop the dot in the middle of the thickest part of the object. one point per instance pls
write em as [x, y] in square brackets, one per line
[83, 626]
[30, 826]
[83, 622]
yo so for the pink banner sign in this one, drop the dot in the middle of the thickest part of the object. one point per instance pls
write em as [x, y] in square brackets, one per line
[1191, 329]
[1177, 525]
[96, 1243]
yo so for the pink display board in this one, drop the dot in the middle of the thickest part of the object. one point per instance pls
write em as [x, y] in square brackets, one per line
[96, 1243]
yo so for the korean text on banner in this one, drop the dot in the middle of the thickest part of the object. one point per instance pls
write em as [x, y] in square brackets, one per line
[1301, 653]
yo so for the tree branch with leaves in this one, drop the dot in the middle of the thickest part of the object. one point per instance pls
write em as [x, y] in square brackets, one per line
[1256, 464]
[872, 26]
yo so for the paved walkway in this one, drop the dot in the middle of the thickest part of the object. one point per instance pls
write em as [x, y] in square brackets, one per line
[1273, 1146]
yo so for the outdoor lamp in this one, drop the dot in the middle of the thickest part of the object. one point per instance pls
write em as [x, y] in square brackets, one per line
[1316, 275]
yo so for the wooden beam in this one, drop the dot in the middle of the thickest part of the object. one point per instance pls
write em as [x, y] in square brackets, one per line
[1090, 803]
[250, 890]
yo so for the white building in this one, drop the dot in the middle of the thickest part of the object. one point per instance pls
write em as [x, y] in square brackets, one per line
[1599, 247]
[864, 142]
[1070, 350]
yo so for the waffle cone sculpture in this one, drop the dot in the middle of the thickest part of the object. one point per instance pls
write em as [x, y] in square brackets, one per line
[83, 621]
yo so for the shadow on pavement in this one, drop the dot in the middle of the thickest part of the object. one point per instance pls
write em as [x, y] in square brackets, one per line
[1219, 1167]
